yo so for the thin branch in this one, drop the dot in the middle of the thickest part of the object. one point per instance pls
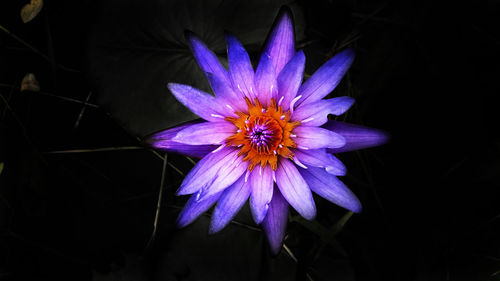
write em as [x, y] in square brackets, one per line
[191, 160]
[18, 120]
[35, 50]
[158, 204]
[170, 164]
[54, 96]
[372, 15]
[294, 258]
[103, 149]
[290, 253]
[77, 123]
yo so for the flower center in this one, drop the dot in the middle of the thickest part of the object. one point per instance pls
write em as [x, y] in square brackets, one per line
[263, 134]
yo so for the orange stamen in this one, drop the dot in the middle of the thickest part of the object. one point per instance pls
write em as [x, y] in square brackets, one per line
[263, 134]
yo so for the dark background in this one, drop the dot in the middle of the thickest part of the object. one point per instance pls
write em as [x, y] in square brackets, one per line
[426, 72]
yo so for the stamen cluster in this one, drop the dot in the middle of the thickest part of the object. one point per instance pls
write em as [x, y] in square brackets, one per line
[263, 134]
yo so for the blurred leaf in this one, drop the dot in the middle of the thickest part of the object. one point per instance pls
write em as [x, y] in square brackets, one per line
[327, 235]
[1, 167]
[339, 225]
[494, 276]
[137, 47]
[30, 83]
[314, 226]
[31, 10]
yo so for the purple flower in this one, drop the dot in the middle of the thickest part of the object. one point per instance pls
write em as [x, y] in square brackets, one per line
[265, 136]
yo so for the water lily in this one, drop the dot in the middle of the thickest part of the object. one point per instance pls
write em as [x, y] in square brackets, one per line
[265, 136]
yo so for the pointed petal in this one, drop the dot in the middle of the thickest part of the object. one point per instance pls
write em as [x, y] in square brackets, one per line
[294, 188]
[322, 159]
[356, 136]
[207, 60]
[316, 113]
[314, 137]
[230, 172]
[199, 102]
[290, 78]
[193, 209]
[326, 78]
[230, 202]
[265, 80]
[205, 171]
[280, 44]
[206, 133]
[163, 140]
[226, 96]
[261, 183]
[331, 188]
[240, 67]
[274, 224]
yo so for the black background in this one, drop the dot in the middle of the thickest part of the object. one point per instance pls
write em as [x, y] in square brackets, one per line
[426, 71]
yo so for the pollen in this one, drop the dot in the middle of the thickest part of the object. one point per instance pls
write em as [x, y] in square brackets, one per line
[263, 134]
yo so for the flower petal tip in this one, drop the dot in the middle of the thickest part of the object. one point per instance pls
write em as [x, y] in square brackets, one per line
[214, 228]
[349, 53]
[275, 249]
[280, 43]
[190, 35]
[173, 87]
[357, 209]
[354, 205]
[310, 216]
[182, 221]
[285, 13]
[357, 136]
[337, 171]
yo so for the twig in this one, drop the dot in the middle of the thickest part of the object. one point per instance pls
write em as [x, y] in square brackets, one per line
[54, 96]
[77, 123]
[18, 120]
[35, 50]
[170, 164]
[372, 14]
[190, 160]
[294, 258]
[158, 204]
[103, 149]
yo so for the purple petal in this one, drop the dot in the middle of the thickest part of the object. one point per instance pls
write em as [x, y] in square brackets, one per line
[206, 133]
[322, 159]
[205, 171]
[326, 78]
[316, 113]
[261, 183]
[314, 137]
[230, 202]
[230, 172]
[331, 188]
[290, 78]
[265, 80]
[280, 44]
[226, 96]
[294, 188]
[163, 140]
[356, 136]
[240, 67]
[206, 59]
[199, 102]
[274, 224]
[193, 209]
